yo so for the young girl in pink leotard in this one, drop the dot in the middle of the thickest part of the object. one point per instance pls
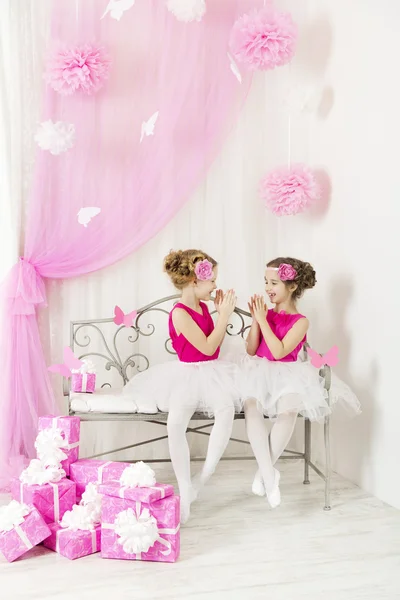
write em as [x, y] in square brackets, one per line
[198, 380]
[276, 378]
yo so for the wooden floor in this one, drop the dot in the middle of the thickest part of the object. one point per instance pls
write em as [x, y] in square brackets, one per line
[235, 548]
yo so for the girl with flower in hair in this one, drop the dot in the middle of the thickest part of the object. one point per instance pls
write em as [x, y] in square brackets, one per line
[276, 378]
[198, 381]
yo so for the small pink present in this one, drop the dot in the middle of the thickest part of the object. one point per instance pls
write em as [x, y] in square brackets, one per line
[52, 500]
[69, 427]
[73, 543]
[21, 528]
[141, 494]
[84, 383]
[95, 471]
[134, 530]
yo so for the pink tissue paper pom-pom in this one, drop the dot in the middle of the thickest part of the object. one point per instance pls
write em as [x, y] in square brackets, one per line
[79, 68]
[289, 191]
[263, 39]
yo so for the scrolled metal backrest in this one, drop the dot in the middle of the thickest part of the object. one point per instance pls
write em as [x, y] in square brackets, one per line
[114, 344]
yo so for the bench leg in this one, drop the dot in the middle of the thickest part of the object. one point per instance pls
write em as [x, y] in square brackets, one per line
[307, 451]
[327, 464]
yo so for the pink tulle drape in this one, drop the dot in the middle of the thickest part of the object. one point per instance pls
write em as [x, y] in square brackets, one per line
[158, 64]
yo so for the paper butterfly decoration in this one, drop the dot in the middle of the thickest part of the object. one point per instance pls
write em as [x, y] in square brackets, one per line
[70, 362]
[330, 359]
[116, 8]
[148, 126]
[122, 319]
[235, 69]
[86, 214]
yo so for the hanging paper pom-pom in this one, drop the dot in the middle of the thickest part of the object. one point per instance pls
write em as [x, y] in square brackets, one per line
[55, 137]
[80, 68]
[302, 99]
[263, 39]
[187, 10]
[289, 191]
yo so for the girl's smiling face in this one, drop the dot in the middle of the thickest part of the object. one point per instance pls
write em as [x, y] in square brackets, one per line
[277, 291]
[204, 289]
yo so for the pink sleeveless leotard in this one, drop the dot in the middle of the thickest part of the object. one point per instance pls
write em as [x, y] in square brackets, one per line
[184, 349]
[280, 324]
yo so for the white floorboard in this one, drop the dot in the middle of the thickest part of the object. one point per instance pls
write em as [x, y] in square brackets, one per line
[234, 548]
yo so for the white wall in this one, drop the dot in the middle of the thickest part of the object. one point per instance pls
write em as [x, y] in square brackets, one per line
[351, 48]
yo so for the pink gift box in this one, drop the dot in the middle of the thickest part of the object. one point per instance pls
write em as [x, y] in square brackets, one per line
[140, 494]
[22, 538]
[167, 514]
[73, 543]
[70, 430]
[51, 499]
[84, 383]
[95, 471]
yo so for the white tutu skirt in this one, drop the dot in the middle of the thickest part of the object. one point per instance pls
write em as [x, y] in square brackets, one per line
[281, 387]
[205, 387]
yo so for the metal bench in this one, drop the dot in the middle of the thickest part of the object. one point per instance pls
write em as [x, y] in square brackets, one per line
[122, 355]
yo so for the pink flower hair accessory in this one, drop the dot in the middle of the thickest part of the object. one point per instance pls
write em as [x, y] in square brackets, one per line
[204, 270]
[286, 272]
[81, 68]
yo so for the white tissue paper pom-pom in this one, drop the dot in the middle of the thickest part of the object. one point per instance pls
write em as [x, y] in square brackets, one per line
[55, 137]
[187, 10]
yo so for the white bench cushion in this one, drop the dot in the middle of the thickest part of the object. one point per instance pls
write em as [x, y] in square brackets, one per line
[106, 400]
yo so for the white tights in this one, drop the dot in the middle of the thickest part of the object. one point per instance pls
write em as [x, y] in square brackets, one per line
[177, 423]
[267, 448]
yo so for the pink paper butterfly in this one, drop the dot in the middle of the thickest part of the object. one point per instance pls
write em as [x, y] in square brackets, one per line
[122, 319]
[70, 362]
[330, 358]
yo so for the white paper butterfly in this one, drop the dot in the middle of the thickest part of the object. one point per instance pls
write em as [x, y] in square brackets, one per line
[86, 214]
[55, 137]
[148, 126]
[116, 8]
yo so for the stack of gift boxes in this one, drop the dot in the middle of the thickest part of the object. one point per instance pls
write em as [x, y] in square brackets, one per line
[80, 507]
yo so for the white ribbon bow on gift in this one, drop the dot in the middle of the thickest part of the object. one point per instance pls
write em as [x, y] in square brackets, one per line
[138, 531]
[12, 515]
[86, 367]
[49, 444]
[138, 475]
[91, 500]
[80, 517]
[38, 473]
